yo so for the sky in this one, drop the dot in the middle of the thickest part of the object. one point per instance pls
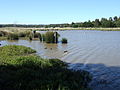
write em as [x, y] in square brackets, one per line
[56, 11]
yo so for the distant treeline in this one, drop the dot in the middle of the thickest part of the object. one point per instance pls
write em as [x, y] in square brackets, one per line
[103, 22]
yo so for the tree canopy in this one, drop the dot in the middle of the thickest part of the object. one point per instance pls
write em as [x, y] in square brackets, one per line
[103, 22]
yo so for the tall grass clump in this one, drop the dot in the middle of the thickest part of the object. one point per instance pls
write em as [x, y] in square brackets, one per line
[49, 37]
[43, 37]
[64, 40]
[12, 36]
[37, 35]
[22, 70]
[28, 33]
[22, 34]
[30, 37]
[40, 37]
[3, 33]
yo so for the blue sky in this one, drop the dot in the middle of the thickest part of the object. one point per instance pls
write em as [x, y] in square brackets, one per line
[56, 11]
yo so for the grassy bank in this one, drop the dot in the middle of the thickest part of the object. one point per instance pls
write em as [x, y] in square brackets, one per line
[99, 29]
[21, 69]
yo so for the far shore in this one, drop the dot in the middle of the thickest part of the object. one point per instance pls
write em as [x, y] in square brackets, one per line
[57, 28]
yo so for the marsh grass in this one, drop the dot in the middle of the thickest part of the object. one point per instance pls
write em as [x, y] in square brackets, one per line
[3, 38]
[49, 37]
[30, 37]
[12, 36]
[43, 37]
[37, 35]
[22, 34]
[3, 33]
[15, 35]
[22, 70]
[12, 50]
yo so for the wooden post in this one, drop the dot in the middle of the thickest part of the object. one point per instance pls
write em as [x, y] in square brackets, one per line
[56, 37]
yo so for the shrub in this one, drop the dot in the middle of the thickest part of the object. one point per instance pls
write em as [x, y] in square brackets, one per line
[64, 40]
[12, 36]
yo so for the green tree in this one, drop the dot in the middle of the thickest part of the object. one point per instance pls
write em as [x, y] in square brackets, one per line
[88, 24]
[106, 23]
[97, 23]
[115, 18]
[110, 19]
[117, 23]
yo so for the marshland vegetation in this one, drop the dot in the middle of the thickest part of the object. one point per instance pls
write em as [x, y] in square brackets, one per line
[48, 37]
[21, 69]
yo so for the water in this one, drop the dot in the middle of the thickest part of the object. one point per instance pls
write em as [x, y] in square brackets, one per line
[95, 51]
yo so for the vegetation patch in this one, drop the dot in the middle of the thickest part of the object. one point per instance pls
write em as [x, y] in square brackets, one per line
[3, 33]
[12, 50]
[64, 40]
[22, 34]
[48, 37]
[12, 36]
[21, 70]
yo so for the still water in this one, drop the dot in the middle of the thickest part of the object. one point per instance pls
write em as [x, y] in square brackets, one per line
[95, 51]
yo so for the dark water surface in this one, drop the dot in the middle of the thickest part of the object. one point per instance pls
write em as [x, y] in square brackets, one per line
[95, 51]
